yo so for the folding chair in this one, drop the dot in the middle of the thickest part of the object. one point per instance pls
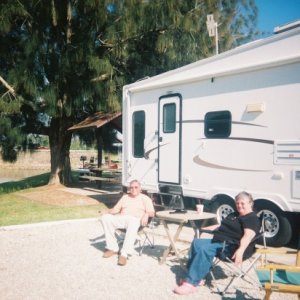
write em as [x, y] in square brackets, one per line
[279, 277]
[242, 271]
[144, 238]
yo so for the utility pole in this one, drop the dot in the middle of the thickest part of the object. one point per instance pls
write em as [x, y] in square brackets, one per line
[212, 28]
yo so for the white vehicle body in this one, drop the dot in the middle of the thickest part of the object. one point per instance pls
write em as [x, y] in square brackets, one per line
[221, 125]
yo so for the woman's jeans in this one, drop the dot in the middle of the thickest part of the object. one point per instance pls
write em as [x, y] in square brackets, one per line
[201, 255]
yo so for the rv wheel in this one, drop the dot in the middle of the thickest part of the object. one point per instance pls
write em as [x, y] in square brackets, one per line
[222, 207]
[277, 226]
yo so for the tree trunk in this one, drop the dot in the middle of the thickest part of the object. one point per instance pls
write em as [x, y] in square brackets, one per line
[60, 141]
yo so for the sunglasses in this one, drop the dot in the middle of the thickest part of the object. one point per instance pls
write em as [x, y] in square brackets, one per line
[133, 187]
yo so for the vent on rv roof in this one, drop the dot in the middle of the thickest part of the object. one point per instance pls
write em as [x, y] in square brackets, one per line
[256, 107]
[287, 27]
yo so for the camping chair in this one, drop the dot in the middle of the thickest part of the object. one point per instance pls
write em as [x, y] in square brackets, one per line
[144, 238]
[279, 277]
[237, 272]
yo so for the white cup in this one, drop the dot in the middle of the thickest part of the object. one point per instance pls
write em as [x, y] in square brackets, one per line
[199, 208]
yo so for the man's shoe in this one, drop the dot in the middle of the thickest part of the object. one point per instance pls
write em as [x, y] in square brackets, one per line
[109, 253]
[122, 260]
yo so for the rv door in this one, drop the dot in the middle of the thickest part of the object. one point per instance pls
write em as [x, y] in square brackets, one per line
[169, 136]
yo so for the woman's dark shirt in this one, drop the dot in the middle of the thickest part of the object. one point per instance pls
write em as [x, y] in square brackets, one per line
[232, 229]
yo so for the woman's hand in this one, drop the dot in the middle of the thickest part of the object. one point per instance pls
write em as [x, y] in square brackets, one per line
[238, 256]
[244, 242]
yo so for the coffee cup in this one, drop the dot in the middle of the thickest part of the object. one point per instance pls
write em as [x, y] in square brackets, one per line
[199, 208]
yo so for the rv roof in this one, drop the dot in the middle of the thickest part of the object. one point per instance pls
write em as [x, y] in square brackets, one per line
[272, 51]
[287, 26]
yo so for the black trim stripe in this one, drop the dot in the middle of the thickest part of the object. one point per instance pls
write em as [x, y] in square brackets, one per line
[197, 160]
[233, 122]
[243, 139]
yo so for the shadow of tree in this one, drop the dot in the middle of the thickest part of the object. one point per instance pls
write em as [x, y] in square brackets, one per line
[108, 199]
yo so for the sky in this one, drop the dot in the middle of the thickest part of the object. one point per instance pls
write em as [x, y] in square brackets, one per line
[272, 13]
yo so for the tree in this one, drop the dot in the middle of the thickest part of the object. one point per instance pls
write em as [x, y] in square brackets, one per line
[9, 136]
[66, 59]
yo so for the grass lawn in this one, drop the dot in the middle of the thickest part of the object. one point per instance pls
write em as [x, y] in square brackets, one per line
[30, 182]
[15, 209]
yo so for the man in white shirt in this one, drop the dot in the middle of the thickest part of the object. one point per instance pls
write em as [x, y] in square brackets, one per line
[131, 211]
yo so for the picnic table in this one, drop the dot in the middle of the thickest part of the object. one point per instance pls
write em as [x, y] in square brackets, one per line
[108, 171]
[104, 174]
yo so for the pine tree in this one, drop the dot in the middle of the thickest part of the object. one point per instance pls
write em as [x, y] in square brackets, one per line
[66, 59]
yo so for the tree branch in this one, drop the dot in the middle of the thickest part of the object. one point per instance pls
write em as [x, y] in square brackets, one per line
[54, 16]
[101, 77]
[9, 87]
[69, 17]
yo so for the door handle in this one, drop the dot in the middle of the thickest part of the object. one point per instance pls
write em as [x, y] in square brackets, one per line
[160, 139]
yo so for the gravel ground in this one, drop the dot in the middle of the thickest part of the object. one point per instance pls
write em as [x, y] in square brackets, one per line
[63, 260]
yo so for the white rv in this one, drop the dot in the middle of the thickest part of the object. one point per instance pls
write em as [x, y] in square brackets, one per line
[219, 126]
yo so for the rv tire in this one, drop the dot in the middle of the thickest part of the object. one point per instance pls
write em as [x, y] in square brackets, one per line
[222, 207]
[277, 225]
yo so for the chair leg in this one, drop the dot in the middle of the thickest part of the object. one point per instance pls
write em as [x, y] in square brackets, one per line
[233, 278]
[211, 273]
[148, 241]
[268, 295]
[142, 242]
[237, 273]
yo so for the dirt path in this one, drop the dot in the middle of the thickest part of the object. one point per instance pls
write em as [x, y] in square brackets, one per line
[77, 195]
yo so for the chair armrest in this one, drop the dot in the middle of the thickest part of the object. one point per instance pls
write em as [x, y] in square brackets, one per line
[279, 267]
[206, 231]
[274, 251]
[283, 288]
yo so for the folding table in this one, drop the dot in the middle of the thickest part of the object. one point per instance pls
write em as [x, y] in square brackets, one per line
[181, 218]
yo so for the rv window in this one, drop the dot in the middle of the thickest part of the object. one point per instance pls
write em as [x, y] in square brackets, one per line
[138, 130]
[169, 115]
[217, 124]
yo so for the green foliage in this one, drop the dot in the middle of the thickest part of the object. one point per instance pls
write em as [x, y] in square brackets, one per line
[30, 182]
[86, 142]
[69, 59]
[48, 99]
[8, 12]
[9, 137]
[10, 106]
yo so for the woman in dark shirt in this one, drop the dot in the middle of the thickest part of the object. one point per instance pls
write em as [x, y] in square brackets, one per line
[236, 229]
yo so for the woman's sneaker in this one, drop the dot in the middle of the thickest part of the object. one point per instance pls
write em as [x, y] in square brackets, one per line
[185, 289]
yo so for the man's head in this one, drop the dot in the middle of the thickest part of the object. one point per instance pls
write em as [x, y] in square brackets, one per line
[134, 188]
